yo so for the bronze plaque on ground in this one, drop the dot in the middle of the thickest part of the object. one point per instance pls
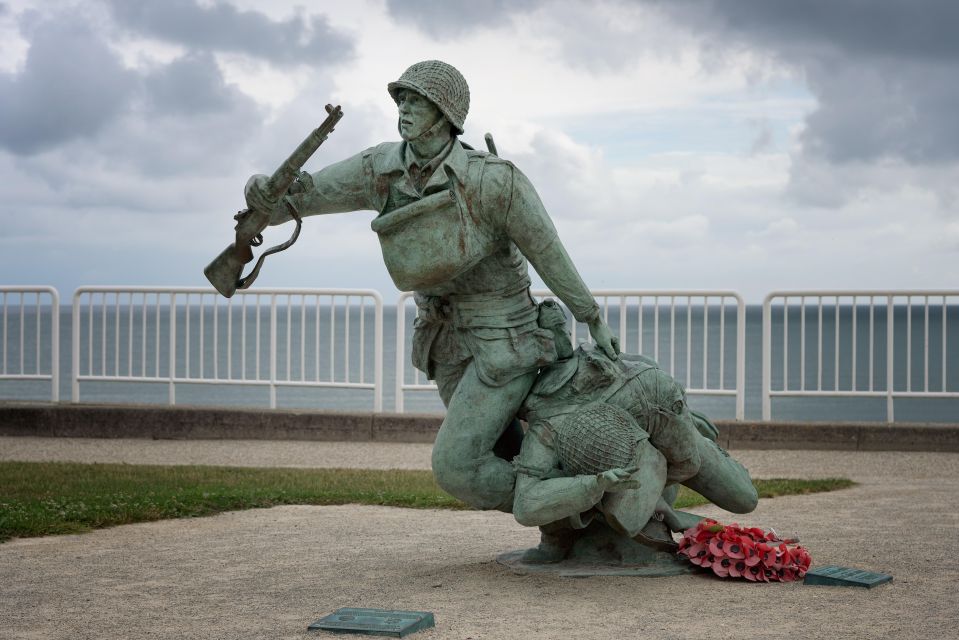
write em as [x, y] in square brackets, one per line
[374, 622]
[845, 577]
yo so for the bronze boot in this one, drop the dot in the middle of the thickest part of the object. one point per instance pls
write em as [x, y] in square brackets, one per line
[555, 542]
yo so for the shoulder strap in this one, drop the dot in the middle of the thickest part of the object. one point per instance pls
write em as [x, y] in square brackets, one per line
[475, 172]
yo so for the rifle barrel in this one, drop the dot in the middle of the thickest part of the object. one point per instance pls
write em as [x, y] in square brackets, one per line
[283, 177]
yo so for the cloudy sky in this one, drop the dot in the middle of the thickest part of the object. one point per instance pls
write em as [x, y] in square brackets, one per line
[693, 144]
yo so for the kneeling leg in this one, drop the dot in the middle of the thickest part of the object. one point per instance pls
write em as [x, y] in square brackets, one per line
[464, 461]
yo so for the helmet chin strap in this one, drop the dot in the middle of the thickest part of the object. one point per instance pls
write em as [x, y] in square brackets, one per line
[432, 132]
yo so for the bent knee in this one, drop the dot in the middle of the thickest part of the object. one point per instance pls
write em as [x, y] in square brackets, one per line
[451, 479]
[684, 469]
[526, 516]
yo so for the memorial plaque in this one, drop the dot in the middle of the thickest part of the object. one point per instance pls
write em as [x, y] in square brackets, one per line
[374, 622]
[834, 576]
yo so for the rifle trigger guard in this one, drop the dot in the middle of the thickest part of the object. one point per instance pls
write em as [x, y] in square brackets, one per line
[244, 283]
[256, 240]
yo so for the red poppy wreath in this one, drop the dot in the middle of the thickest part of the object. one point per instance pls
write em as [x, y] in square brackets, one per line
[732, 551]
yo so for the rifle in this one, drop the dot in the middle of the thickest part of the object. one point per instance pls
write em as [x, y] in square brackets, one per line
[225, 272]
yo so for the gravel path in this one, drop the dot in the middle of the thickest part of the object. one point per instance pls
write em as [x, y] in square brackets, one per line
[268, 573]
[233, 453]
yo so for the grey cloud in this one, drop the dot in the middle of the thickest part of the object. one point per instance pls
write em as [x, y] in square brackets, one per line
[922, 29]
[599, 37]
[764, 140]
[904, 110]
[111, 138]
[186, 121]
[444, 19]
[74, 97]
[191, 84]
[884, 73]
[205, 144]
[71, 86]
[580, 29]
[222, 27]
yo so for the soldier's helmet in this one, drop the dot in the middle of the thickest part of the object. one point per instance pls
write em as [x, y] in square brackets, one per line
[441, 84]
[596, 438]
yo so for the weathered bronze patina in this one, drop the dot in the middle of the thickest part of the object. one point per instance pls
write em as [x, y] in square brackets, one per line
[608, 443]
[457, 226]
[225, 271]
[609, 438]
[833, 576]
[375, 622]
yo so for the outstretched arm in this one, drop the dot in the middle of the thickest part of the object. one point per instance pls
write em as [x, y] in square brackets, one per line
[342, 186]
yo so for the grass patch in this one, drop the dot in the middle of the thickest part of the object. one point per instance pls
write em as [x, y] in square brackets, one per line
[44, 498]
[772, 488]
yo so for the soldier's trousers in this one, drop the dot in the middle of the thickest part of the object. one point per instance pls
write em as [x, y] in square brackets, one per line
[477, 414]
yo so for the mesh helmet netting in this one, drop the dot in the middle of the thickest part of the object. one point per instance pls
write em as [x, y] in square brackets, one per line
[442, 84]
[596, 438]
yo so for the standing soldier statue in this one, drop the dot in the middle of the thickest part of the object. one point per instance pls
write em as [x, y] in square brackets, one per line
[457, 227]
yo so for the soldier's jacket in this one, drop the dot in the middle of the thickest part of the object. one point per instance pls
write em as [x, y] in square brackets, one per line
[461, 240]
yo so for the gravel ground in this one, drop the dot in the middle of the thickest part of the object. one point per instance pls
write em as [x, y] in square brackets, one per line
[232, 453]
[268, 573]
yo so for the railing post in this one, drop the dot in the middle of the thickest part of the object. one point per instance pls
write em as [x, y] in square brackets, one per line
[54, 345]
[890, 345]
[740, 358]
[172, 347]
[272, 351]
[75, 344]
[378, 351]
[622, 322]
[767, 357]
[400, 350]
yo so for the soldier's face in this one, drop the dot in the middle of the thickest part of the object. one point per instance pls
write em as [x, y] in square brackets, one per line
[416, 114]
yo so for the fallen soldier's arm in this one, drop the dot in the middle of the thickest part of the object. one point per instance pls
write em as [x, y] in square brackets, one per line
[544, 496]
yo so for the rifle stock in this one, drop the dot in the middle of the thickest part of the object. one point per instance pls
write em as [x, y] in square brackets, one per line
[225, 272]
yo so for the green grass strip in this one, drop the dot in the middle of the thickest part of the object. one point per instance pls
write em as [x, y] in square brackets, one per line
[44, 498]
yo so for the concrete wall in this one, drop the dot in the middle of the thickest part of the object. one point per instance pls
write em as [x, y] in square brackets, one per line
[164, 422]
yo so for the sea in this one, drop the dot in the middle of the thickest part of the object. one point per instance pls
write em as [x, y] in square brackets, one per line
[841, 347]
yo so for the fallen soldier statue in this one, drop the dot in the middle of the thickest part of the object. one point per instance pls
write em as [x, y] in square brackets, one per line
[608, 443]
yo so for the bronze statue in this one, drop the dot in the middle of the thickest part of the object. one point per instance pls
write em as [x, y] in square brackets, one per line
[609, 437]
[608, 443]
[457, 226]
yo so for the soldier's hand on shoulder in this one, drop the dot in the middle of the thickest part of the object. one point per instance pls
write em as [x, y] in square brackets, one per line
[604, 338]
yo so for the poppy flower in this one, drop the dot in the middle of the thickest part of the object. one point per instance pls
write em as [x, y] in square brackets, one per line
[754, 573]
[736, 549]
[696, 553]
[721, 567]
[716, 547]
[737, 569]
[752, 557]
[744, 552]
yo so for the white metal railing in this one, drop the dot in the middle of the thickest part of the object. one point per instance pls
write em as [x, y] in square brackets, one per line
[869, 344]
[861, 348]
[30, 335]
[689, 330]
[275, 338]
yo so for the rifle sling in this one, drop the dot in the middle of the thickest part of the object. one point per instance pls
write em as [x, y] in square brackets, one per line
[245, 282]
